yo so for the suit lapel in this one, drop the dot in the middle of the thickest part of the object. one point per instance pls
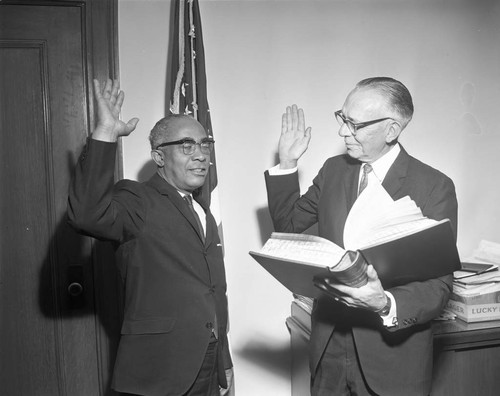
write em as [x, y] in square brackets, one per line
[395, 178]
[158, 183]
[351, 184]
[337, 198]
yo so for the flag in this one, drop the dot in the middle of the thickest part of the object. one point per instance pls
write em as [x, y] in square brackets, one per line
[189, 85]
[189, 96]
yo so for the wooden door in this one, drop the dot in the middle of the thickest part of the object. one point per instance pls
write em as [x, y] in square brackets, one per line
[59, 305]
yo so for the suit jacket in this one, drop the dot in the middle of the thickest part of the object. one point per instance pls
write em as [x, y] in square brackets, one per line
[395, 360]
[174, 283]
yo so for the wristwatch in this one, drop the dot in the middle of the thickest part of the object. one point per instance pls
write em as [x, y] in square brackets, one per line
[386, 309]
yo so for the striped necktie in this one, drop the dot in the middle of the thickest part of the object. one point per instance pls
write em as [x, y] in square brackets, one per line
[367, 168]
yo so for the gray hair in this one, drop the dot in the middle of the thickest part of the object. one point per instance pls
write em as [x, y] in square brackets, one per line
[397, 95]
[163, 128]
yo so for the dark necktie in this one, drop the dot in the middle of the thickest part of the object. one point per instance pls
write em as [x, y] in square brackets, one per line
[367, 168]
[189, 201]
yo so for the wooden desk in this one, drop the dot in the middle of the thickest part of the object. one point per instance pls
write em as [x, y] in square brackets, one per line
[466, 356]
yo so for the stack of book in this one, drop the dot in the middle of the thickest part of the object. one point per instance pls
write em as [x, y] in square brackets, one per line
[476, 287]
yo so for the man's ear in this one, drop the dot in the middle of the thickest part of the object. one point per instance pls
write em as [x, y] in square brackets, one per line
[157, 157]
[393, 132]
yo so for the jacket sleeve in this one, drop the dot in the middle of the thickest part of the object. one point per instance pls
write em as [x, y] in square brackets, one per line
[96, 206]
[289, 211]
[420, 302]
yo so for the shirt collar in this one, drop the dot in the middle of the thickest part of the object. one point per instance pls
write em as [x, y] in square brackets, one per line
[381, 166]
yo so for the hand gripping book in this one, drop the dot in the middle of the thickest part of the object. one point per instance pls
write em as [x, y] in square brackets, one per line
[402, 245]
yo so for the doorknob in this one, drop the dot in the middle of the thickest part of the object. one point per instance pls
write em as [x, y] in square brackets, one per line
[76, 286]
[75, 289]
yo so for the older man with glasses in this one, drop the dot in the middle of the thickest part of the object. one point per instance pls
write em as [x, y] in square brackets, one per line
[367, 340]
[174, 332]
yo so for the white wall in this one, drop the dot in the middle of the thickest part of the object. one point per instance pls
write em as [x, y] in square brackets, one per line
[264, 55]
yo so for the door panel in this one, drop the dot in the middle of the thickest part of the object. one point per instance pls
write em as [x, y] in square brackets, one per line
[26, 224]
[53, 340]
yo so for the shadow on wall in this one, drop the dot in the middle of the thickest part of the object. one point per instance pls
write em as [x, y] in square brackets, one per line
[265, 223]
[272, 359]
[146, 171]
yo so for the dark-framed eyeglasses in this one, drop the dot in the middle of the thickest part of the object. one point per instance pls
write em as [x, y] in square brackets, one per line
[355, 126]
[189, 145]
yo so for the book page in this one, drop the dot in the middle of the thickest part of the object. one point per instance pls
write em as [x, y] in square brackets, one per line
[303, 247]
[488, 251]
[391, 232]
[476, 289]
[490, 276]
[376, 218]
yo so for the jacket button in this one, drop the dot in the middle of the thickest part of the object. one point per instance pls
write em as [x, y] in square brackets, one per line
[209, 325]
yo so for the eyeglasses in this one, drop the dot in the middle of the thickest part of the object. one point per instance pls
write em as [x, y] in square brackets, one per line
[189, 145]
[353, 127]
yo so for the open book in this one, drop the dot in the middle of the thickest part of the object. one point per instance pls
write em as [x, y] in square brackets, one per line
[396, 239]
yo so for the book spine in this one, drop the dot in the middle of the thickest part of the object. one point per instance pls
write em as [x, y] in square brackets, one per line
[301, 315]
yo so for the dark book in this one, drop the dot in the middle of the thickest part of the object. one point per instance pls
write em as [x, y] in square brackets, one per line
[473, 269]
[296, 259]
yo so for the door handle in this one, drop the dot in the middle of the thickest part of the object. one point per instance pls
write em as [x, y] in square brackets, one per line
[75, 289]
[76, 286]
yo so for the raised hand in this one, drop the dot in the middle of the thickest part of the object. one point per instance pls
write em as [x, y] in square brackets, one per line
[109, 103]
[294, 138]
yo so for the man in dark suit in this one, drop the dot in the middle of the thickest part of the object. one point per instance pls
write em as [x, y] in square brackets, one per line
[174, 333]
[367, 340]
